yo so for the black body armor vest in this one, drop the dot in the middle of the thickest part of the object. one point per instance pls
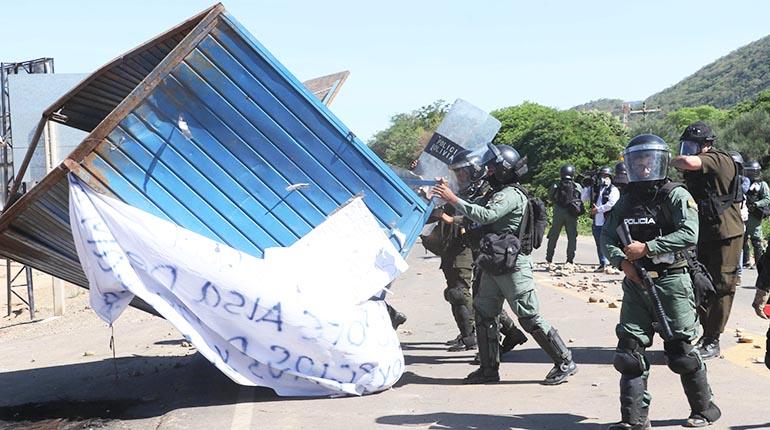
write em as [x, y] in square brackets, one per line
[647, 220]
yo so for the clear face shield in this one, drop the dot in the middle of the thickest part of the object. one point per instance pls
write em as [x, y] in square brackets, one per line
[646, 163]
[689, 147]
[471, 169]
[464, 177]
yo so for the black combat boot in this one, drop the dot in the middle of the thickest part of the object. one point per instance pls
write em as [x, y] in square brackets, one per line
[464, 319]
[625, 426]
[489, 353]
[554, 346]
[454, 340]
[513, 336]
[709, 348]
[703, 411]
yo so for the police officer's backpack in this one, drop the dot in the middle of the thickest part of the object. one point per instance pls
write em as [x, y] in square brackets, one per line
[533, 223]
[568, 198]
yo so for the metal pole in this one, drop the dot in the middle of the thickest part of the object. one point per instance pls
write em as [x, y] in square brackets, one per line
[8, 284]
[30, 292]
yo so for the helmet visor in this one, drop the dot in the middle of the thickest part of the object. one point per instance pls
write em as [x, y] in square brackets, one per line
[646, 165]
[689, 147]
[471, 168]
[465, 176]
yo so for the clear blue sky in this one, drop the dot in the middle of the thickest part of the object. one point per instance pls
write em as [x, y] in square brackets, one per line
[406, 54]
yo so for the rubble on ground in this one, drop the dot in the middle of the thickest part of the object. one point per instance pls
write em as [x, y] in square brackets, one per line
[585, 279]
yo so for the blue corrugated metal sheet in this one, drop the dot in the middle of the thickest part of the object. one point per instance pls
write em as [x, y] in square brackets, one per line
[213, 138]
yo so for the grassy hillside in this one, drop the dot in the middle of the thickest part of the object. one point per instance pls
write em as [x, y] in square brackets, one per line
[614, 106]
[740, 75]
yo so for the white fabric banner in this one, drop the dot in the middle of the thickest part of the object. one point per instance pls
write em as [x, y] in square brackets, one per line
[298, 321]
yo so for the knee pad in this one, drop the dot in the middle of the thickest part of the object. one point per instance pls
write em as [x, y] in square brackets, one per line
[681, 357]
[456, 296]
[629, 358]
[529, 324]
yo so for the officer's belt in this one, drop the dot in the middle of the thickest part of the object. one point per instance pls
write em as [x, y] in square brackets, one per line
[662, 274]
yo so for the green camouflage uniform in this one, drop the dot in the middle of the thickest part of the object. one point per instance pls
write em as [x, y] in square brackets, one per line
[562, 219]
[457, 265]
[755, 199]
[503, 214]
[635, 329]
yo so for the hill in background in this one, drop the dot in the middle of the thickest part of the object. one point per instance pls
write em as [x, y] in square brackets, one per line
[738, 76]
[614, 106]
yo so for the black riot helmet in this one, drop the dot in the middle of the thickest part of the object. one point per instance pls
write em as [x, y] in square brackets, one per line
[738, 158]
[646, 157]
[604, 171]
[507, 164]
[468, 167]
[621, 174]
[567, 171]
[752, 170]
[695, 137]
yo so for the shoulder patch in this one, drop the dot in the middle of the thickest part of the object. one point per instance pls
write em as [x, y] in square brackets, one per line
[691, 204]
[499, 197]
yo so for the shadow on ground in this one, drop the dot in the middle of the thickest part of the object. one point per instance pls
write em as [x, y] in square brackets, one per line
[752, 426]
[413, 378]
[144, 387]
[452, 421]
[531, 354]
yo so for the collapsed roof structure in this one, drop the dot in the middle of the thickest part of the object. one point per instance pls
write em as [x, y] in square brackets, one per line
[203, 127]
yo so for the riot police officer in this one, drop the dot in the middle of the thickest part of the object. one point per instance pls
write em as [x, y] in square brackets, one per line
[663, 220]
[504, 214]
[620, 180]
[712, 177]
[456, 255]
[566, 194]
[473, 177]
[757, 201]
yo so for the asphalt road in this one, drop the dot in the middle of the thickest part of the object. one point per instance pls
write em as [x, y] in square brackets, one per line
[47, 381]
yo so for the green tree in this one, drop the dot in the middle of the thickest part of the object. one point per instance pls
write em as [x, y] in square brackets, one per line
[760, 102]
[550, 138]
[408, 133]
[748, 133]
[681, 118]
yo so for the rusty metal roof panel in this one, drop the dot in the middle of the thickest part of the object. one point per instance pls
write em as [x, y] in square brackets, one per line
[326, 88]
[219, 138]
